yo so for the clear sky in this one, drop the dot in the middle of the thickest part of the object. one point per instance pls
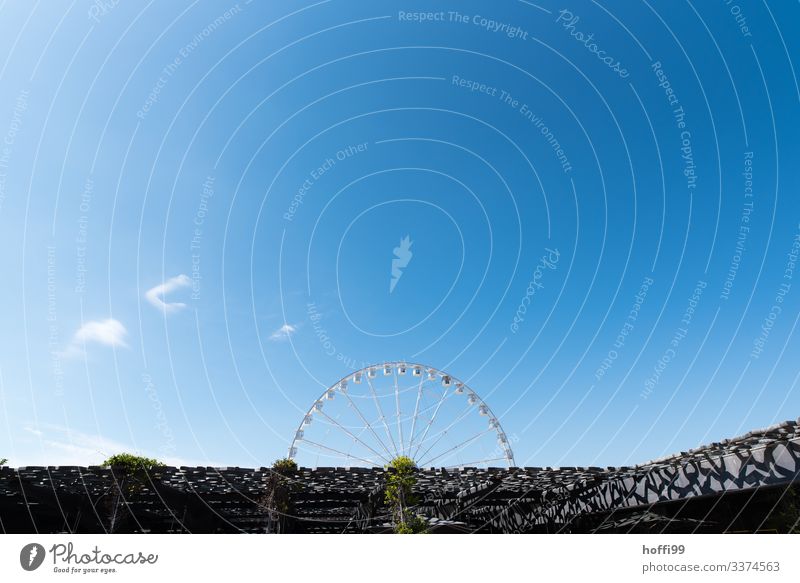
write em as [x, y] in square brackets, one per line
[209, 212]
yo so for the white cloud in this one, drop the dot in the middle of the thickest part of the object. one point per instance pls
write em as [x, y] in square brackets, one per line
[62, 446]
[283, 332]
[156, 294]
[109, 332]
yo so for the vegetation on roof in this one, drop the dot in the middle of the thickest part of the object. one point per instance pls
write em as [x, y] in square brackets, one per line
[400, 498]
[131, 462]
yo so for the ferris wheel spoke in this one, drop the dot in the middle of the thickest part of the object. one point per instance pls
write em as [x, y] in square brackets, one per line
[475, 463]
[343, 428]
[458, 446]
[380, 413]
[397, 404]
[445, 430]
[416, 413]
[346, 455]
[368, 425]
[430, 422]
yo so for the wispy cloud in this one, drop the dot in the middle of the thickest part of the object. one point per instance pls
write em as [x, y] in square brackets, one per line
[156, 294]
[283, 332]
[109, 332]
[63, 446]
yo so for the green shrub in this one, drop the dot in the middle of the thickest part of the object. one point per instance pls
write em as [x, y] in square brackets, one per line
[131, 463]
[130, 476]
[277, 500]
[285, 466]
[400, 498]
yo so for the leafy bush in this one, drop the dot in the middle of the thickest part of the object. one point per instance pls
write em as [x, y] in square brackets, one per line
[277, 500]
[413, 525]
[131, 463]
[400, 498]
[130, 476]
[3, 461]
[285, 466]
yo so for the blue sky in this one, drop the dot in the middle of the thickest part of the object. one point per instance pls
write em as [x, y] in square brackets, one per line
[200, 205]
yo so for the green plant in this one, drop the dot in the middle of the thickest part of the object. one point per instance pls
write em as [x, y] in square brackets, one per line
[129, 474]
[414, 525]
[3, 461]
[131, 463]
[285, 466]
[399, 496]
[277, 494]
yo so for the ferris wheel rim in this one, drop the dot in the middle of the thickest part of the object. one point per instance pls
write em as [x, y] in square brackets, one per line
[341, 385]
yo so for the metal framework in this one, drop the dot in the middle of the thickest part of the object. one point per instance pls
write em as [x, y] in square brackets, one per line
[415, 414]
[714, 488]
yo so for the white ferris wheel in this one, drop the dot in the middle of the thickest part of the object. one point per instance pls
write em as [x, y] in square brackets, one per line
[380, 412]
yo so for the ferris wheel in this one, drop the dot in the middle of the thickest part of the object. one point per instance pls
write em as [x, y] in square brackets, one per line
[380, 412]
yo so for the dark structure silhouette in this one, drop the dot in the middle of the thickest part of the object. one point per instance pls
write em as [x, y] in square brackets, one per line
[747, 484]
